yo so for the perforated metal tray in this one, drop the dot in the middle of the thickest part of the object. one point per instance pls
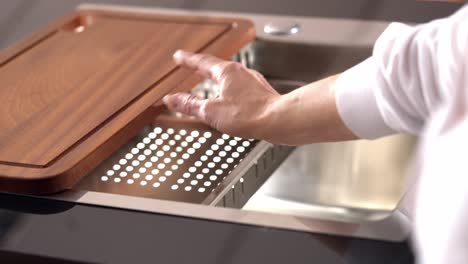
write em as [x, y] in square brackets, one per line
[181, 159]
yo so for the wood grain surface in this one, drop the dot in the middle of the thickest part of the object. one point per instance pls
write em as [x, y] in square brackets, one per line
[69, 91]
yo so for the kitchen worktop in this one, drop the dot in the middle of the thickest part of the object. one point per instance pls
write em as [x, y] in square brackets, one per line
[58, 230]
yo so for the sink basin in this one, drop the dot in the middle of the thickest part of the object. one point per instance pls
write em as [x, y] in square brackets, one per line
[347, 181]
[302, 62]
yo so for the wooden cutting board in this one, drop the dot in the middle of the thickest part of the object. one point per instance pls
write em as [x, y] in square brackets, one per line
[76, 91]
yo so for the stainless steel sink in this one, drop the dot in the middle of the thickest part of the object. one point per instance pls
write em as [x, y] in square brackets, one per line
[348, 181]
[347, 188]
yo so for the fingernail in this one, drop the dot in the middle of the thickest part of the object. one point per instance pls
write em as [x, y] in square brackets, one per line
[178, 55]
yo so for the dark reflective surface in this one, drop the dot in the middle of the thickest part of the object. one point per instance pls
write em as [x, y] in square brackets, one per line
[62, 230]
[11, 257]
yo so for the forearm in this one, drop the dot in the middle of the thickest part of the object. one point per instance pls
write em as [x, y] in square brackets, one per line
[305, 115]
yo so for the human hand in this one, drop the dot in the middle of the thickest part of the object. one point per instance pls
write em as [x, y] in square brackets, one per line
[247, 106]
[243, 104]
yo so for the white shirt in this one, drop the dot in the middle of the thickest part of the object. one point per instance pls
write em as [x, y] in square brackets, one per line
[417, 82]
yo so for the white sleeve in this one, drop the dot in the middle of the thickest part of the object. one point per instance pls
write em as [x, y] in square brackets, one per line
[411, 72]
[417, 81]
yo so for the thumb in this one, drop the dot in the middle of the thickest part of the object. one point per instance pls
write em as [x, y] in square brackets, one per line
[187, 104]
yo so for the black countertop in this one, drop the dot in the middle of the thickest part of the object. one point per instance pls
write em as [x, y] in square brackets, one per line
[35, 230]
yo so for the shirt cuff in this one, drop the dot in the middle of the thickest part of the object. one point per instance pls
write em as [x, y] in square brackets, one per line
[356, 101]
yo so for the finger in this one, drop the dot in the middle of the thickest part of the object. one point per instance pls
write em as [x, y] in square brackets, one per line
[207, 65]
[187, 104]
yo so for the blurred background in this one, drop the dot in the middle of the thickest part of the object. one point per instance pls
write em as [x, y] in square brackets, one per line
[20, 17]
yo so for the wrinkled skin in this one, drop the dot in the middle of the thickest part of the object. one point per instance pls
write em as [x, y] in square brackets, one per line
[247, 106]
